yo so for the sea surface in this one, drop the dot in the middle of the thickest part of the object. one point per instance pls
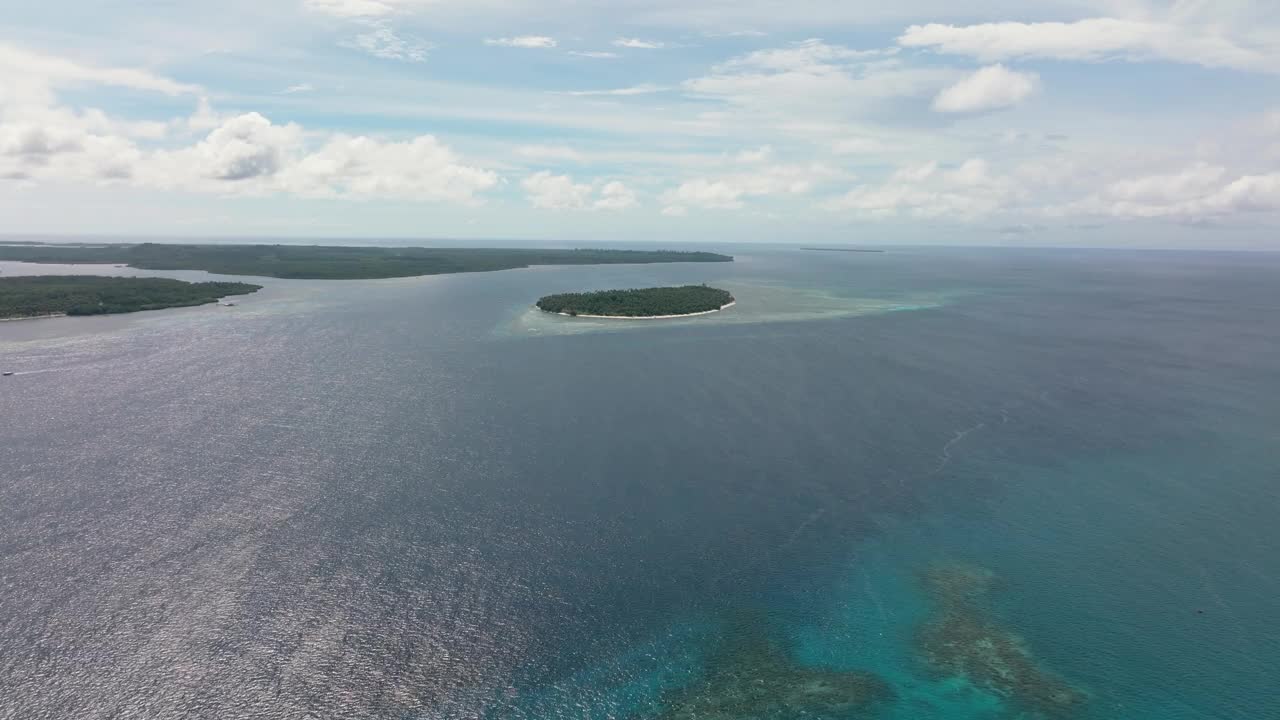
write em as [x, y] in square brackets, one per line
[925, 484]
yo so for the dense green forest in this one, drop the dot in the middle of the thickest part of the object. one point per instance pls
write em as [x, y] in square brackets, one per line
[334, 263]
[96, 295]
[647, 302]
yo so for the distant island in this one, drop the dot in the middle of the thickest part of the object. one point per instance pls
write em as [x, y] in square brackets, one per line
[48, 295]
[661, 302]
[317, 262]
[864, 250]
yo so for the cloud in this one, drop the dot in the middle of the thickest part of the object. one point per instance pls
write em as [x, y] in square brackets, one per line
[639, 44]
[858, 146]
[1092, 40]
[383, 42]
[642, 89]
[523, 41]
[349, 8]
[559, 192]
[926, 191]
[24, 65]
[299, 88]
[730, 191]
[596, 54]
[240, 154]
[1198, 192]
[616, 196]
[813, 80]
[991, 88]
[549, 152]
[247, 146]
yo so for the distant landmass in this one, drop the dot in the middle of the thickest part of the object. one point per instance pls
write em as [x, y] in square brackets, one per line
[862, 250]
[44, 295]
[658, 302]
[316, 262]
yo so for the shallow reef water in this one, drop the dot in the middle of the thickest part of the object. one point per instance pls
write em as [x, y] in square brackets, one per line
[752, 675]
[962, 638]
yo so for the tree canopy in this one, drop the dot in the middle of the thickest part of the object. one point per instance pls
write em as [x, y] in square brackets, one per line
[33, 296]
[317, 262]
[645, 302]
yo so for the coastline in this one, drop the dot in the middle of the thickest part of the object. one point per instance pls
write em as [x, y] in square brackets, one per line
[649, 317]
[33, 317]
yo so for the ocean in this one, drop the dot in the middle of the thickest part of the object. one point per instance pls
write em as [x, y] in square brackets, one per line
[924, 484]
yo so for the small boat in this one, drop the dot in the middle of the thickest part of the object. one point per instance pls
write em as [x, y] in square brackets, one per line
[6, 373]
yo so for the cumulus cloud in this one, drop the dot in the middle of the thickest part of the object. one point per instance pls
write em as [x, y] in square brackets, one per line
[639, 44]
[1197, 192]
[730, 191]
[549, 191]
[616, 196]
[1094, 39]
[968, 192]
[990, 88]
[523, 41]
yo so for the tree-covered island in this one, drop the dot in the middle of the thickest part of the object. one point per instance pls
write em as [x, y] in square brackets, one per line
[42, 295]
[639, 303]
[318, 262]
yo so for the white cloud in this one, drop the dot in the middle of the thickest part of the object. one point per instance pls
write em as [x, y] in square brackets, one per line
[990, 88]
[559, 192]
[523, 41]
[596, 54]
[760, 154]
[639, 44]
[25, 66]
[245, 147]
[675, 211]
[422, 168]
[642, 89]
[349, 8]
[967, 193]
[730, 191]
[1198, 192]
[813, 80]
[299, 88]
[857, 146]
[616, 196]
[1094, 39]
[549, 152]
[380, 40]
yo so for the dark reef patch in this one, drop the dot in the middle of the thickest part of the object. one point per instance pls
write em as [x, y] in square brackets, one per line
[962, 639]
[751, 676]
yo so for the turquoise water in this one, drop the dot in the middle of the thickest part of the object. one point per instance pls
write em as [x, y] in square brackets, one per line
[919, 485]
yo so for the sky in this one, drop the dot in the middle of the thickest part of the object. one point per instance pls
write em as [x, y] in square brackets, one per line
[1113, 123]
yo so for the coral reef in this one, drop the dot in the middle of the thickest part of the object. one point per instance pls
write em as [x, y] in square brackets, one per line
[962, 639]
[750, 676]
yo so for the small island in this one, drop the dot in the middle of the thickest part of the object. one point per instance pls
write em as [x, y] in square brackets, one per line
[648, 303]
[52, 295]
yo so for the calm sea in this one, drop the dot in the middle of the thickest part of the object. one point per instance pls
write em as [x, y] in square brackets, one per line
[916, 485]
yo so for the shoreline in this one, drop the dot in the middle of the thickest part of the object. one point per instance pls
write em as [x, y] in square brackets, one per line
[648, 317]
[33, 317]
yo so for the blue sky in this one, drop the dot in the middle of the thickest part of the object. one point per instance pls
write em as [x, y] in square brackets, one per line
[1087, 122]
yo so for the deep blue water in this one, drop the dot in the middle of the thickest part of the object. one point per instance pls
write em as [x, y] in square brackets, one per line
[409, 499]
